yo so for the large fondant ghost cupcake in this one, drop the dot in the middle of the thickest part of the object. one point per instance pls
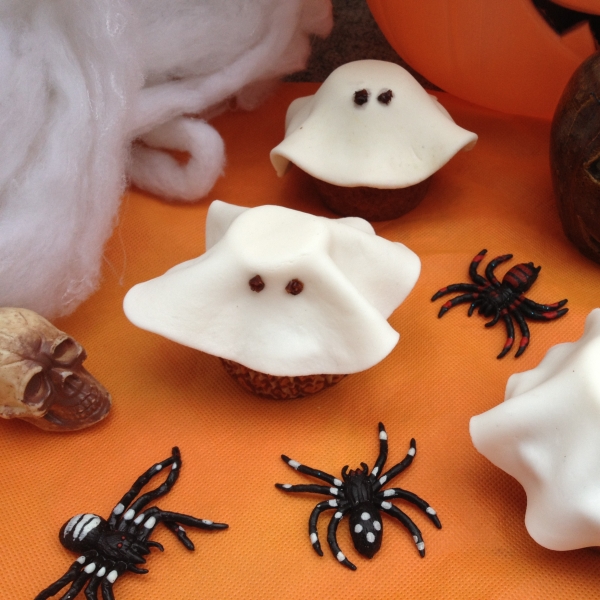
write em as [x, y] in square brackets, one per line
[546, 434]
[371, 137]
[282, 296]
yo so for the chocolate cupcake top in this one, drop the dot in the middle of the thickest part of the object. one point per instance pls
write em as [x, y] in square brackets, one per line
[282, 292]
[369, 124]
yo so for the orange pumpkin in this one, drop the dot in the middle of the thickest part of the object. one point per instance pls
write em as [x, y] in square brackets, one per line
[502, 54]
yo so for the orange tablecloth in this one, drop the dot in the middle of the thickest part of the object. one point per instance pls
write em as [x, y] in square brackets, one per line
[441, 373]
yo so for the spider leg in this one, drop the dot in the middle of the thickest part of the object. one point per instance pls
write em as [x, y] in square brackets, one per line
[91, 590]
[157, 544]
[494, 320]
[73, 572]
[312, 523]
[173, 517]
[395, 512]
[383, 451]
[114, 571]
[312, 472]
[140, 482]
[455, 301]
[332, 538]
[146, 522]
[413, 499]
[510, 334]
[161, 490]
[315, 489]
[542, 316]
[474, 304]
[456, 287]
[524, 333]
[543, 307]
[397, 469]
[179, 531]
[473, 274]
[137, 570]
[489, 270]
[80, 581]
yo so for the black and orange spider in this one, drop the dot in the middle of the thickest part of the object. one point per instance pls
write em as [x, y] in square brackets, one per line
[503, 300]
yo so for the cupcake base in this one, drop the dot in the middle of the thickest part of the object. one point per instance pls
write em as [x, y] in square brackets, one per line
[278, 387]
[372, 204]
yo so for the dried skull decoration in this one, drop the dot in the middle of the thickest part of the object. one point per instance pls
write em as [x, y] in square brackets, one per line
[42, 378]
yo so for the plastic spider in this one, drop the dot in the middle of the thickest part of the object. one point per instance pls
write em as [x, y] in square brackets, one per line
[503, 300]
[361, 495]
[109, 548]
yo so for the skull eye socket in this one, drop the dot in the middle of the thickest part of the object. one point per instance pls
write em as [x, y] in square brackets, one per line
[66, 352]
[37, 389]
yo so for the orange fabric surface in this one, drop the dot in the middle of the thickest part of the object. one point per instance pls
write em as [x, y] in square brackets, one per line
[442, 372]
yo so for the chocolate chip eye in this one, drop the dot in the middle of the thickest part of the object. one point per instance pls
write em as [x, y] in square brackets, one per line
[294, 287]
[257, 284]
[361, 97]
[385, 97]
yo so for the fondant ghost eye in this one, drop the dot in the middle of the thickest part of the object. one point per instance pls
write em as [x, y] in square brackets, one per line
[257, 284]
[385, 97]
[361, 97]
[294, 287]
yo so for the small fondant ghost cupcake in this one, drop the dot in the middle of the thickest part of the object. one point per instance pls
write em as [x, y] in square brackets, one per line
[289, 301]
[546, 434]
[371, 137]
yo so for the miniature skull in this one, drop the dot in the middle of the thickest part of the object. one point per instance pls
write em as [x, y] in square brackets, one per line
[42, 379]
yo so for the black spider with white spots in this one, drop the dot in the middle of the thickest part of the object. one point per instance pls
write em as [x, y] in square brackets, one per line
[110, 548]
[361, 496]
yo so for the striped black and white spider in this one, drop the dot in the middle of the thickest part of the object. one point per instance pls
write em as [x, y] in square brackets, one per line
[361, 495]
[110, 548]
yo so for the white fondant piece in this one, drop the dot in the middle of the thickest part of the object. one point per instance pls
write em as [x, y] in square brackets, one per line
[353, 280]
[546, 434]
[377, 145]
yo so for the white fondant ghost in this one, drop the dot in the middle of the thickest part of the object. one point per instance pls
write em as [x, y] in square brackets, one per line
[546, 434]
[373, 144]
[353, 280]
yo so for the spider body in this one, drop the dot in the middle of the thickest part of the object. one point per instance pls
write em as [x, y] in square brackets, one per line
[502, 299]
[366, 532]
[90, 532]
[111, 547]
[359, 495]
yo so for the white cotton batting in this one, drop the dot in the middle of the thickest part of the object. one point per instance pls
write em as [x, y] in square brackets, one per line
[82, 80]
[233, 49]
[160, 173]
[63, 114]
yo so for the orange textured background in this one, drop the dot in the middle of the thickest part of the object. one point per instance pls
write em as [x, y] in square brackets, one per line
[441, 373]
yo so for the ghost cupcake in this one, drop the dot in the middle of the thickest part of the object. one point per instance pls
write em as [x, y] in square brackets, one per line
[371, 137]
[546, 434]
[289, 301]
